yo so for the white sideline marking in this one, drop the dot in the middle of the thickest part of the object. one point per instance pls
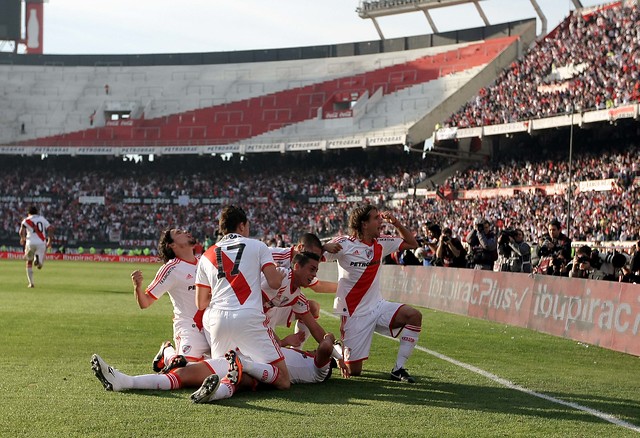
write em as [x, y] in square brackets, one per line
[504, 382]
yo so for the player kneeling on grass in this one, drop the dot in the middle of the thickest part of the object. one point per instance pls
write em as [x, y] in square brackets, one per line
[176, 277]
[359, 299]
[221, 378]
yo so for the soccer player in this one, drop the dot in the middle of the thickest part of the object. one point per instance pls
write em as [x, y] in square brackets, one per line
[303, 367]
[36, 234]
[228, 287]
[359, 299]
[283, 257]
[288, 301]
[176, 277]
[221, 378]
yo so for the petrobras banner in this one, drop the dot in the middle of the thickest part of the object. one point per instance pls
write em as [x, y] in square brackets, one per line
[307, 146]
[383, 140]
[347, 143]
[597, 312]
[267, 147]
[507, 128]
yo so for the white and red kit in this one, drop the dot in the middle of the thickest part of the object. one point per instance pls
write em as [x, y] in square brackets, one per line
[234, 319]
[303, 368]
[283, 258]
[283, 304]
[36, 239]
[358, 298]
[177, 278]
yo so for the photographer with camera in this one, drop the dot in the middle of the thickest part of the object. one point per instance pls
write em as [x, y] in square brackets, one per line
[514, 252]
[631, 272]
[592, 264]
[484, 246]
[450, 251]
[554, 251]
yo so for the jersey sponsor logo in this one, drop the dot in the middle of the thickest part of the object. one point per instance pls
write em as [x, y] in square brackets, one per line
[364, 264]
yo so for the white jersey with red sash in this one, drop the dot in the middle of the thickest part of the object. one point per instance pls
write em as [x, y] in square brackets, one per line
[177, 277]
[36, 227]
[281, 304]
[359, 272]
[283, 258]
[231, 269]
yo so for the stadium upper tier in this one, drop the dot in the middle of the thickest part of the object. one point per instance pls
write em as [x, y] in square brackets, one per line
[353, 100]
[589, 65]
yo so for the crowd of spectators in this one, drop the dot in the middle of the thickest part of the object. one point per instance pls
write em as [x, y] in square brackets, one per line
[589, 62]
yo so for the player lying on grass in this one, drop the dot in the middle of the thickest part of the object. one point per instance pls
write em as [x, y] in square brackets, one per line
[222, 377]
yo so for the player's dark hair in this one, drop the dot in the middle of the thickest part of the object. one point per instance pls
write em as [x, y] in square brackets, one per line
[302, 258]
[230, 218]
[310, 241]
[357, 216]
[165, 253]
[33, 210]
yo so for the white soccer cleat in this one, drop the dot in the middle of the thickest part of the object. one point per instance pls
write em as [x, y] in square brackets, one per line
[111, 379]
[207, 392]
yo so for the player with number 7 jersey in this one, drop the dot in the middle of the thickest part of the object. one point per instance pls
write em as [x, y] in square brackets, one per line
[228, 289]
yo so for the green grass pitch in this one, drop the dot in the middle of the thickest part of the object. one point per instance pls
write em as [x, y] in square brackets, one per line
[47, 387]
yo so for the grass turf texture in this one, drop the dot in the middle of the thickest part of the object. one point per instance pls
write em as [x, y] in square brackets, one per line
[80, 308]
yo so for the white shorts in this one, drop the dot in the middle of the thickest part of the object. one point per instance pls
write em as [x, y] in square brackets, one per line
[357, 331]
[245, 329]
[33, 249]
[190, 341]
[303, 368]
[280, 316]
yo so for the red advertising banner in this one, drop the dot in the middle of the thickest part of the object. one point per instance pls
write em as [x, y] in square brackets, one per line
[86, 257]
[603, 313]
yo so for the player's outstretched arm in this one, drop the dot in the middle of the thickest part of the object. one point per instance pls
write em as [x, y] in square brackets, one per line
[325, 287]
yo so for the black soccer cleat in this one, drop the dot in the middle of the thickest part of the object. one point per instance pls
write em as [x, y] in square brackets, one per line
[402, 375]
[158, 361]
[178, 361]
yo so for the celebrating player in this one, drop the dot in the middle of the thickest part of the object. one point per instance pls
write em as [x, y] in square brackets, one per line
[177, 278]
[228, 287]
[35, 234]
[283, 257]
[359, 298]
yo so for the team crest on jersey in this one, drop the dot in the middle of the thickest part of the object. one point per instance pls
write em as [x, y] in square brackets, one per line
[368, 253]
[186, 349]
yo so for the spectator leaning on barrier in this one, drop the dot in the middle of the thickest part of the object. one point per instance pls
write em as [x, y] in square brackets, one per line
[483, 243]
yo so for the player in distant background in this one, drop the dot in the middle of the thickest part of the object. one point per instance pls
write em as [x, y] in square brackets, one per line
[36, 234]
[359, 299]
[177, 278]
